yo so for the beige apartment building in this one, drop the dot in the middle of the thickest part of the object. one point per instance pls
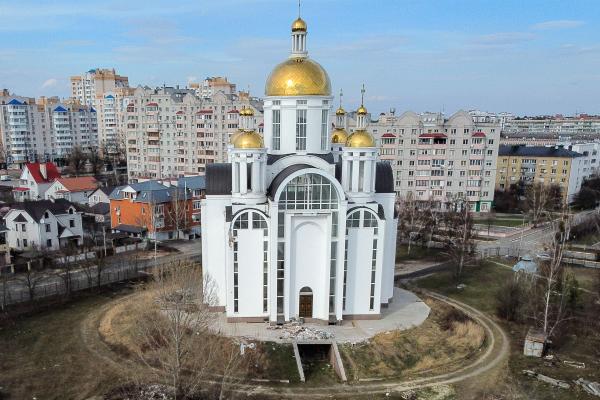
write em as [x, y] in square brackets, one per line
[172, 132]
[95, 83]
[436, 158]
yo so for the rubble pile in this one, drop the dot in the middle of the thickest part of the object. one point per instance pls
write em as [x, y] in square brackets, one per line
[295, 330]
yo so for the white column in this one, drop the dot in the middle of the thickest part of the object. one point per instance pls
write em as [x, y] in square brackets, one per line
[355, 175]
[368, 177]
[373, 173]
[255, 174]
[243, 175]
[235, 176]
[345, 174]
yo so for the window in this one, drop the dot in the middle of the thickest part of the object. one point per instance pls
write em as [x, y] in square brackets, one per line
[23, 228]
[324, 117]
[48, 242]
[276, 130]
[71, 223]
[24, 242]
[308, 192]
[300, 129]
[48, 228]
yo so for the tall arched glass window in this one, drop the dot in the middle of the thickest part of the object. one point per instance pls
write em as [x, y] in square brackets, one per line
[250, 220]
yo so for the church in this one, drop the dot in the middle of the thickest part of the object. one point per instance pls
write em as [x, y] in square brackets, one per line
[301, 222]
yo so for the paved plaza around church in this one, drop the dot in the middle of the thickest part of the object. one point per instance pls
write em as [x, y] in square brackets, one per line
[406, 311]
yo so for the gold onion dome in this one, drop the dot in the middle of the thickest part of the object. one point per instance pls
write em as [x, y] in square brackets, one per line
[235, 135]
[340, 111]
[299, 25]
[298, 76]
[361, 110]
[246, 112]
[339, 136]
[360, 138]
[248, 140]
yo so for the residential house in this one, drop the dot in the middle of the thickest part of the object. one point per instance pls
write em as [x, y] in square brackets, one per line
[100, 195]
[35, 179]
[43, 224]
[151, 209]
[77, 190]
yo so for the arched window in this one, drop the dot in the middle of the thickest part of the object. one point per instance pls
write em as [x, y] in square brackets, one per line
[363, 218]
[250, 220]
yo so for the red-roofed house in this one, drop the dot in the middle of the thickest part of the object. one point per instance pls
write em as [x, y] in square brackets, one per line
[76, 190]
[35, 179]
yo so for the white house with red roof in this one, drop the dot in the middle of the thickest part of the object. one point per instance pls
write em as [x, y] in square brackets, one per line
[35, 179]
[76, 190]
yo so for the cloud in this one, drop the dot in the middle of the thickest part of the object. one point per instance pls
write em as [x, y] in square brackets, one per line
[558, 24]
[502, 39]
[49, 83]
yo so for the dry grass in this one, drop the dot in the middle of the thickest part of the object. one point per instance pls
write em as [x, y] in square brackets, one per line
[442, 343]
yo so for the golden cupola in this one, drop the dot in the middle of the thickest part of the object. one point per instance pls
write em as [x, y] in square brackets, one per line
[248, 140]
[246, 137]
[339, 136]
[361, 137]
[298, 75]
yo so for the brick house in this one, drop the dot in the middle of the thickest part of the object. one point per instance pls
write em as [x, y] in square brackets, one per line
[154, 210]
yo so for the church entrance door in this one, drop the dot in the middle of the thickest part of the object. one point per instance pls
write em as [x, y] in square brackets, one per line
[306, 303]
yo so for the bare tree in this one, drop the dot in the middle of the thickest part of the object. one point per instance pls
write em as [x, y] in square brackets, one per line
[458, 235]
[96, 161]
[412, 220]
[178, 214]
[541, 200]
[77, 159]
[551, 299]
[30, 278]
[173, 332]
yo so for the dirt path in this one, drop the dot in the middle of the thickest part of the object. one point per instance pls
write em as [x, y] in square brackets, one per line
[496, 351]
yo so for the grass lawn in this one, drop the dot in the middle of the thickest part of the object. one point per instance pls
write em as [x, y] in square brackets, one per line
[588, 240]
[509, 222]
[43, 356]
[419, 253]
[480, 291]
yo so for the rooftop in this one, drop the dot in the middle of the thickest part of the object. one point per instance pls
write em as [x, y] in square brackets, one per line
[536, 151]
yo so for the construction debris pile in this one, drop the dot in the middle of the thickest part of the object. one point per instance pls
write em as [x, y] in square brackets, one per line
[592, 388]
[295, 330]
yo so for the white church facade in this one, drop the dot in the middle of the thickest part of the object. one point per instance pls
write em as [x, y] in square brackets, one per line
[301, 223]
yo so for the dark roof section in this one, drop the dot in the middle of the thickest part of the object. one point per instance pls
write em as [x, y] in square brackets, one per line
[278, 180]
[130, 228]
[536, 151]
[218, 179]
[20, 218]
[384, 177]
[36, 209]
[100, 209]
[272, 158]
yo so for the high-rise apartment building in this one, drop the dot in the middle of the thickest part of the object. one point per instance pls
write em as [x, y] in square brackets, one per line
[46, 129]
[439, 159]
[172, 132]
[95, 83]
[210, 86]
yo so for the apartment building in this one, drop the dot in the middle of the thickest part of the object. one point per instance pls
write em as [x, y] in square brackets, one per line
[438, 159]
[523, 165]
[111, 107]
[44, 129]
[212, 85]
[171, 132]
[95, 83]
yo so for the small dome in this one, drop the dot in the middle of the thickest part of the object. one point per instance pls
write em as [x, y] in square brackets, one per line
[299, 25]
[360, 138]
[340, 111]
[361, 110]
[298, 76]
[248, 140]
[247, 112]
[235, 135]
[339, 136]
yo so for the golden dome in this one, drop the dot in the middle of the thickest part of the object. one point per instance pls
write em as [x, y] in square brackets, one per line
[339, 136]
[247, 112]
[361, 110]
[248, 140]
[299, 25]
[360, 138]
[340, 111]
[235, 135]
[298, 77]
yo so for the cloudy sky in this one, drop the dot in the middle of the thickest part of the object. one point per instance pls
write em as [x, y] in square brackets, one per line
[521, 56]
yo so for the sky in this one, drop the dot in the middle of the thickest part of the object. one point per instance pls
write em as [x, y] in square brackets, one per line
[527, 57]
